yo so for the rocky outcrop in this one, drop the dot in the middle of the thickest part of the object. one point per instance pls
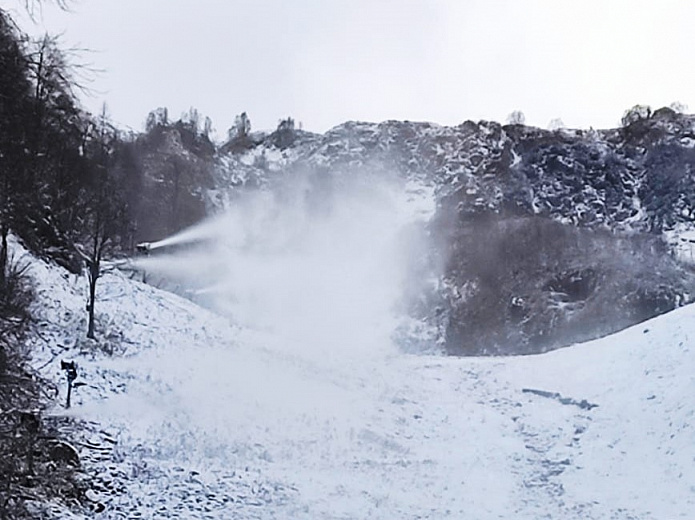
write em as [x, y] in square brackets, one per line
[545, 237]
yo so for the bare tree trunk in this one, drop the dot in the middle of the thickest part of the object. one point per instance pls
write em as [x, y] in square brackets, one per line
[3, 254]
[173, 219]
[93, 276]
[4, 227]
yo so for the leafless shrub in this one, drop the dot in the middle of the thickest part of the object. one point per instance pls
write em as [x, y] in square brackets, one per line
[31, 471]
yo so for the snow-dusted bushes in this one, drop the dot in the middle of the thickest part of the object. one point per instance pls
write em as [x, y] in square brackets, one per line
[15, 299]
[525, 285]
[32, 467]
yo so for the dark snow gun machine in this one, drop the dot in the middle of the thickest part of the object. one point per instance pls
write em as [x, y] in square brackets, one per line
[144, 247]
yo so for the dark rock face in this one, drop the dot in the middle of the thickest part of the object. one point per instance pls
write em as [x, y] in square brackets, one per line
[545, 237]
[565, 243]
[176, 168]
[530, 284]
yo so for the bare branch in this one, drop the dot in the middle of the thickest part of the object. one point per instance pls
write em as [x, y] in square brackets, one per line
[35, 7]
[66, 66]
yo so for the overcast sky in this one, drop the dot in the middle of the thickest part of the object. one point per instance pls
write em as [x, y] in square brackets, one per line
[324, 62]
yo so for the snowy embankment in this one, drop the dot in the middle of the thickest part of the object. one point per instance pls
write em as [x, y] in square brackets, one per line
[192, 417]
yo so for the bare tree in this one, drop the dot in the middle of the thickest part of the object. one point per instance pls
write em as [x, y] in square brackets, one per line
[105, 208]
[679, 107]
[285, 134]
[516, 118]
[556, 124]
[241, 128]
[15, 90]
[239, 135]
[54, 169]
[635, 114]
[158, 117]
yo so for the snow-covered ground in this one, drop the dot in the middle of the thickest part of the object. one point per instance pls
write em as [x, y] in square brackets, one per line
[188, 414]
[197, 418]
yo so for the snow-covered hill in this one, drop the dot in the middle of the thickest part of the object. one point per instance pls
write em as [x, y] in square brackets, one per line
[191, 416]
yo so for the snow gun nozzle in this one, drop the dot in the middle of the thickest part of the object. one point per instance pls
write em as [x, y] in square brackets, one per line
[144, 247]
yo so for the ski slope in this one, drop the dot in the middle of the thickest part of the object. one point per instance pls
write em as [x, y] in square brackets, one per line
[191, 416]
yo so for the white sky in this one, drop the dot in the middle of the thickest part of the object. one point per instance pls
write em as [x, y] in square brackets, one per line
[324, 62]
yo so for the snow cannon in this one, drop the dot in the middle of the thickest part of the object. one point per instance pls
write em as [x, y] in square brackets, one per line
[144, 247]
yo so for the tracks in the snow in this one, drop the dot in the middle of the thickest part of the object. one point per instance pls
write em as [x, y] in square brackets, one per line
[550, 428]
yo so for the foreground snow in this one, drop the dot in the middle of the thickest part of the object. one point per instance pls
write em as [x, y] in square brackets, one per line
[192, 417]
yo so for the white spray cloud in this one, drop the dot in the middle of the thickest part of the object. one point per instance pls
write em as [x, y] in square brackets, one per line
[319, 263]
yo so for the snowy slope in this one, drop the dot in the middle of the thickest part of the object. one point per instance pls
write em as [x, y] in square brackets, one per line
[197, 418]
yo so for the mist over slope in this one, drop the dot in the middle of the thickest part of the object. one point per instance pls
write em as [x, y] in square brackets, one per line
[330, 269]
[196, 417]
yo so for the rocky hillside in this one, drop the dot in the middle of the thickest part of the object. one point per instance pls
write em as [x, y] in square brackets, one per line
[540, 238]
[543, 237]
[634, 178]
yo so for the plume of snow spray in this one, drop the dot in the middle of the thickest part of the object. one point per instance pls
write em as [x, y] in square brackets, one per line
[321, 269]
[313, 273]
